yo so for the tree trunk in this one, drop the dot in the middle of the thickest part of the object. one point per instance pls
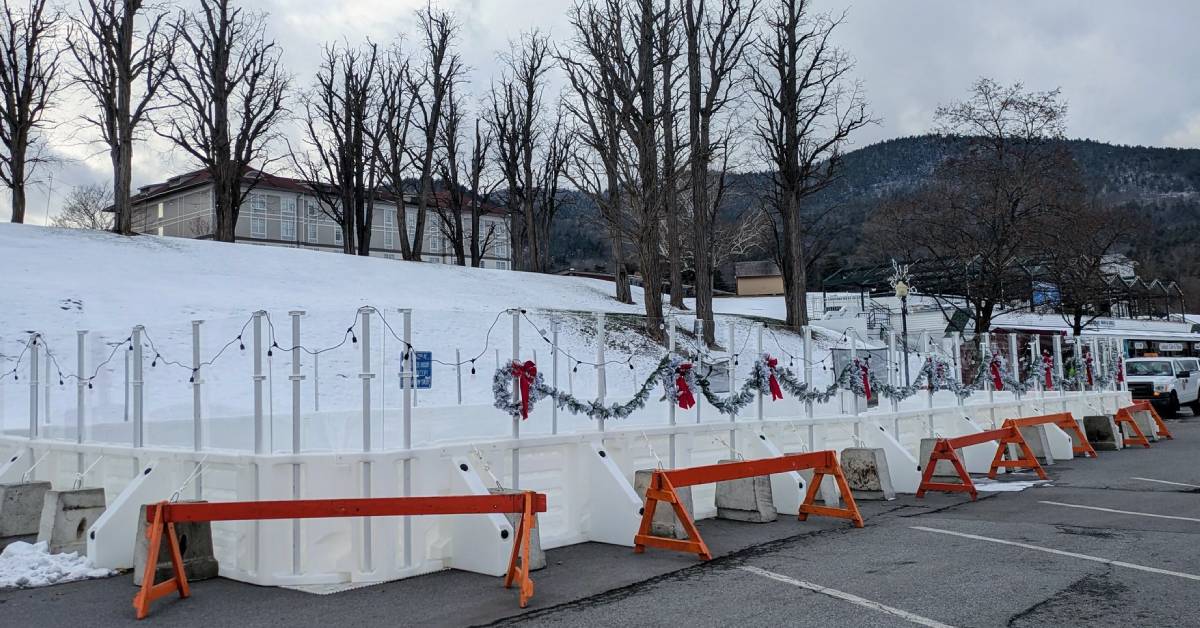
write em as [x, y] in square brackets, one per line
[795, 276]
[18, 184]
[620, 270]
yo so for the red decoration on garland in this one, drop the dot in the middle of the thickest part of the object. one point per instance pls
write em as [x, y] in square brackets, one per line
[997, 381]
[525, 374]
[1089, 371]
[686, 399]
[772, 383]
[1048, 368]
[1120, 370]
[866, 378]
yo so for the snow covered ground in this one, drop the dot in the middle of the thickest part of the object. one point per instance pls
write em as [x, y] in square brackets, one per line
[27, 565]
[57, 281]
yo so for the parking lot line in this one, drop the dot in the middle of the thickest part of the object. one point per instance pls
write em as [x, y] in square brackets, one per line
[1122, 512]
[1167, 482]
[847, 597]
[1048, 550]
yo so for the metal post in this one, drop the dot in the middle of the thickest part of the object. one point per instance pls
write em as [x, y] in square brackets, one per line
[80, 387]
[406, 436]
[806, 336]
[258, 377]
[126, 407]
[759, 346]
[893, 375]
[366, 376]
[671, 408]
[34, 350]
[457, 372]
[701, 348]
[296, 378]
[731, 368]
[554, 374]
[316, 382]
[1058, 367]
[46, 390]
[904, 340]
[516, 422]
[601, 381]
[197, 418]
[957, 358]
[138, 387]
[1014, 365]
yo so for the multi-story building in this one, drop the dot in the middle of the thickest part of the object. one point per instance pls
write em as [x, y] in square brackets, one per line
[284, 212]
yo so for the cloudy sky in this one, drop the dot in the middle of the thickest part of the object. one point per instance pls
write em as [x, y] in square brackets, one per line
[1129, 70]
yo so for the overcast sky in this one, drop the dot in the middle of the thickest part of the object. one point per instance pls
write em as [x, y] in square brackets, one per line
[1130, 70]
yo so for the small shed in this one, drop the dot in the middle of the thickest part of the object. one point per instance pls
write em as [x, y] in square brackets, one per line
[758, 278]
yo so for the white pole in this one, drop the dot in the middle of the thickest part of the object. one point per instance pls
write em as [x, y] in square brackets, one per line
[1014, 365]
[138, 384]
[893, 374]
[366, 375]
[406, 435]
[258, 378]
[806, 335]
[34, 349]
[731, 368]
[759, 346]
[671, 406]
[80, 395]
[516, 422]
[296, 378]
[554, 374]
[601, 382]
[457, 372]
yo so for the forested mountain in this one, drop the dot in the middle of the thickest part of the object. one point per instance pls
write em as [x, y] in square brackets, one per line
[1160, 184]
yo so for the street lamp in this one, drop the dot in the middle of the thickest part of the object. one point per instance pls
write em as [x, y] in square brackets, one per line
[902, 294]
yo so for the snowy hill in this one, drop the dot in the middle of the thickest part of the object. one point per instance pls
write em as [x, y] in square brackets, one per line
[59, 281]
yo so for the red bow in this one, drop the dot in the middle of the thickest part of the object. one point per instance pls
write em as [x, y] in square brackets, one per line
[686, 399]
[866, 379]
[525, 374]
[1120, 370]
[1048, 367]
[772, 383]
[1089, 370]
[997, 381]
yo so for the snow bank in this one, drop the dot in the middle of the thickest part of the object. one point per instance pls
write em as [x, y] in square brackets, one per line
[24, 566]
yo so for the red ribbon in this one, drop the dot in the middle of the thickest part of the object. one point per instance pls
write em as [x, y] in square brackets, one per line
[1089, 371]
[866, 379]
[1120, 370]
[772, 383]
[525, 374]
[997, 381]
[1048, 368]
[686, 399]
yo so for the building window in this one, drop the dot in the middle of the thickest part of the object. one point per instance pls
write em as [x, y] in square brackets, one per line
[160, 211]
[258, 226]
[502, 265]
[287, 227]
[337, 235]
[313, 217]
[258, 203]
[160, 231]
[389, 239]
[501, 248]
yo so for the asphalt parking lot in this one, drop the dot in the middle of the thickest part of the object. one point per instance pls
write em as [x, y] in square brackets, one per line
[1112, 541]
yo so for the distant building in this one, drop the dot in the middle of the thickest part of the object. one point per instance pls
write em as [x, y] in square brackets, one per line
[283, 212]
[758, 278]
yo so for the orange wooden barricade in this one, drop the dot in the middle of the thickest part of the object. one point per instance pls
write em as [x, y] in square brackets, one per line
[664, 483]
[1067, 423]
[163, 516]
[1125, 417]
[945, 448]
[1163, 432]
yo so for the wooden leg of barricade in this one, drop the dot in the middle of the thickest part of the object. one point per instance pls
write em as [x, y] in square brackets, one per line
[1125, 417]
[1026, 461]
[521, 551]
[150, 591]
[809, 506]
[1158, 421]
[661, 489]
[943, 451]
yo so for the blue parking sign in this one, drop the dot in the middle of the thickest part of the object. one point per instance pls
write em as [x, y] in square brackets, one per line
[423, 363]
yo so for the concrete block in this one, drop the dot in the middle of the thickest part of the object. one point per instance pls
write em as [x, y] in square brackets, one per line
[1102, 433]
[1146, 423]
[21, 511]
[665, 523]
[195, 544]
[829, 490]
[66, 517]
[1038, 439]
[746, 499]
[1075, 441]
[866, 472]
[944, 468]
[537, 557]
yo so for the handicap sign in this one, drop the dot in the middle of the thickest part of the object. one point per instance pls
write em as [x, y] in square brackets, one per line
[423, 362]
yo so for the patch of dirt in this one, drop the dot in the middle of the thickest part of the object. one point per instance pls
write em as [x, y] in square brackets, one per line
[1091, 600]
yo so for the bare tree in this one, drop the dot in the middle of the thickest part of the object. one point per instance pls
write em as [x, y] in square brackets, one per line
[976, 220]
[394, 120]
[442, 69]
[717, 39]
[807, 111]
[618, 40]
[29, 82]
[85, 208]
[451, 205]
[668, 53]
[122, 51]
[227, 91]
[339, 164]
[479, 192]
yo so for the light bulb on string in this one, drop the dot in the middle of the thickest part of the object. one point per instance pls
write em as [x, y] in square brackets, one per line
[353, 338]
[241, 345]
[472, 367]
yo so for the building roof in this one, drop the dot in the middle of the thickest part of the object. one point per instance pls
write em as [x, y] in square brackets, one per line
[265, 180]
[761, 268]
